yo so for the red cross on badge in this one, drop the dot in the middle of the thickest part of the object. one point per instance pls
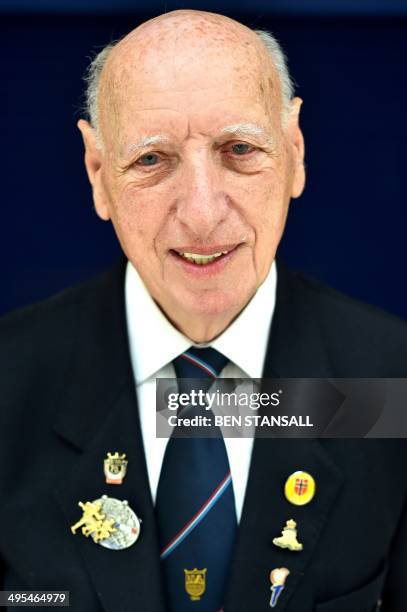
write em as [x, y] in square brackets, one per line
[301, 486]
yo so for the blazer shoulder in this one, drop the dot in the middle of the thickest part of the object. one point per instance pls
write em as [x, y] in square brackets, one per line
[355, 332]
[347, 307]
[40, 338]
[41, 317]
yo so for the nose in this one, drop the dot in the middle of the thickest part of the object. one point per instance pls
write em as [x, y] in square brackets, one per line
[202, 204]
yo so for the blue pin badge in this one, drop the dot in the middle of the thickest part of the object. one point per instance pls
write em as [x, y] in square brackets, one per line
[277, 578]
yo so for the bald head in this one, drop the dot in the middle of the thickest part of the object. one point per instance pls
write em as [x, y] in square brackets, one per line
[158, 51]
[189, 23]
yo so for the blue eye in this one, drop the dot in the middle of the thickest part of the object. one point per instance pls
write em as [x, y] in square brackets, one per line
[150, 159]
[241, 148]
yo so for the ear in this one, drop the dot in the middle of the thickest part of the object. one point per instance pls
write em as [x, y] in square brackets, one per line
[296, 140]
[93, 162]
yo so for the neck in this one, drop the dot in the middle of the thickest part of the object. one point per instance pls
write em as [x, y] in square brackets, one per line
[199, 331]
[202, 328]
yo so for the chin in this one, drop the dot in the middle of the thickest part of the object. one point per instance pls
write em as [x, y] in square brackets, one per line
[217, 304]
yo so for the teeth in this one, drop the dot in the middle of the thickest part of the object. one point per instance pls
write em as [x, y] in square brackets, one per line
[201, 260]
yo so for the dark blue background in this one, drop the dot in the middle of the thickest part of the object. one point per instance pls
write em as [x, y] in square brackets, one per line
[349, 62]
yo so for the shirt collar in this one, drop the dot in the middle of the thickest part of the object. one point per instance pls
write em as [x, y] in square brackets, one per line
[245, 341]
[155, 342]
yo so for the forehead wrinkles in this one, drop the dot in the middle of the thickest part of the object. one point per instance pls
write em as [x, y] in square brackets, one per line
[138, 61]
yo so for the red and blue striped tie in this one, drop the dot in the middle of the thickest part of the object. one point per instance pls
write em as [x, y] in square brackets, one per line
[195, 503]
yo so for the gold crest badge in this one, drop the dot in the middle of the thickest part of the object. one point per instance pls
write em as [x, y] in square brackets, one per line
[195, 583]
[115, 468]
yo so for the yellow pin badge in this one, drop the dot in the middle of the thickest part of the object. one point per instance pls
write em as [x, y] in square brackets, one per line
[300, 488]
[288, 538]
[110, 522]
[115, 468]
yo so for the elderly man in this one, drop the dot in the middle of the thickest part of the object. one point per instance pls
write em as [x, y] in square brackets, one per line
[194, 151]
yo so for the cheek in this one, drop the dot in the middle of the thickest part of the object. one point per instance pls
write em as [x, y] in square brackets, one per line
[138, 217]
[262, 200]
[264, 203]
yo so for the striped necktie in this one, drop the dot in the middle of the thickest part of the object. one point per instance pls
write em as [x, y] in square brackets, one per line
[195, 504]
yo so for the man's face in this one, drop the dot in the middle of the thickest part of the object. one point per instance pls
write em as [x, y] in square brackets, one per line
[197, 171]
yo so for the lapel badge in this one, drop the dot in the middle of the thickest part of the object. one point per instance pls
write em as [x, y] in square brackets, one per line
[195, 583]
[300, 488]
[115, 468]
[288, 538]
[278, 577]
[110, 522]
[94, 522]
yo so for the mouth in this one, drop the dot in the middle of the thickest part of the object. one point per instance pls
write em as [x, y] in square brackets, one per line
[210, 258]
[203, 257]
[202, 260]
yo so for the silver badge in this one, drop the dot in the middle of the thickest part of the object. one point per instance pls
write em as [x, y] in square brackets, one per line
[126, 523]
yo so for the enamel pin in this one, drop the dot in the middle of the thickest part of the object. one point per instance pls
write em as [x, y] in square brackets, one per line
[278, 577]
[115, 468]
[300, 488]
[110, 522]
[195, 583]
[288, 538]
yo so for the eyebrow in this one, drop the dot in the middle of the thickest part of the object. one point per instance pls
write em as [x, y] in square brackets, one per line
[147, 141]
[241, 130]
[248, 129]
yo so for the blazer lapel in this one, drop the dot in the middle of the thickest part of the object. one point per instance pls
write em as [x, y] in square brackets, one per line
[296, 349]
[265, 513]
[99, 415]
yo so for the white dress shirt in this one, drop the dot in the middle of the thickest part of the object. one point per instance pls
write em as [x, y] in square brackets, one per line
[155, 342]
